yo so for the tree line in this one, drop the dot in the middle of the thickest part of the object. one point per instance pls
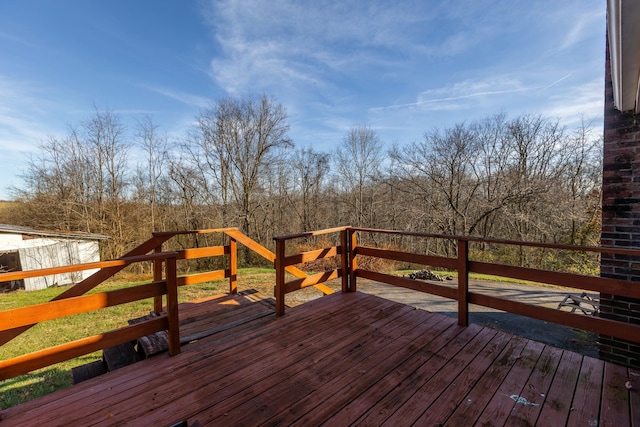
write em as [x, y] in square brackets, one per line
[523, 178]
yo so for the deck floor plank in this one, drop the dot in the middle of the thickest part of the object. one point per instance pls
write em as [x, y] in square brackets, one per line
[536, 390]
[328, 363]
[344, 359]
[225, 373]
[117, 387]
[359, 380]
[507, 395]
[558, 401]
[457, 391]
[348, 413]
[360, 375]
[585, 409]
[471, 408]
[427, 393]
[379, 411]
[466, 341]
[614, 410]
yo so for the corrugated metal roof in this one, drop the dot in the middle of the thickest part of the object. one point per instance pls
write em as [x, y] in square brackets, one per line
[17, 229]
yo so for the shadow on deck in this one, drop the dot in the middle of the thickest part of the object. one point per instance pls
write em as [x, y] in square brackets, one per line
[343, 359]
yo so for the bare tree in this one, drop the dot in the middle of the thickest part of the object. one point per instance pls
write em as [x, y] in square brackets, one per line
[498, 177]
[237, 140]
[107, 146]
[310, 169]
[151, 172]
[357, 164]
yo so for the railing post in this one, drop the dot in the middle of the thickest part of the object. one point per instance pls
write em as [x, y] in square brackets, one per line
[344, 261]
[280, 278]
[353, 264]
[157, 276]
[463, 282]
[233, 266]
[172, 306]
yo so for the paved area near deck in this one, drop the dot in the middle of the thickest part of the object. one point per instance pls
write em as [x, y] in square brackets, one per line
[549, 333]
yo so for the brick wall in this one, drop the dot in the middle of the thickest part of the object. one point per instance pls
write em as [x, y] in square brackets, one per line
[620, 220]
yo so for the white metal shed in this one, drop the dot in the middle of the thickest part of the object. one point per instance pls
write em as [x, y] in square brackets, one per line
[24, 249]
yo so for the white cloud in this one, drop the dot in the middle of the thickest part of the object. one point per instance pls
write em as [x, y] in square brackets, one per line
[449, 97]
[576, 102]
[353, 55]
[183, 97]
[580, 27]
[21, 115]
[295, 43]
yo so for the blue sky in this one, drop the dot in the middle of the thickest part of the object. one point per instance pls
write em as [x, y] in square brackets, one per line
[401, 67]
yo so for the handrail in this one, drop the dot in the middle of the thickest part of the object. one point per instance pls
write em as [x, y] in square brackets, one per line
[559, 246]
[311, 233]
[29, 315]
[254, 246]
[89, 283]
[184, 232]
[40, 359]
[285, 263]
[166, 281]
[463, 265]
[120, 262]
[74, 301]
[270, 256]
[26, 316]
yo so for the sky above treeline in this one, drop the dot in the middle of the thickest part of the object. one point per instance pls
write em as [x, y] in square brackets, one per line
[401, 68]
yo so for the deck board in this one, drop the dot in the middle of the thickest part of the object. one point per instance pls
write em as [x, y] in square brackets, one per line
[585, 409]
[365, 400]
[615, 400]
[344, 359]
[474, 403]
[559, 398]
[507, 397]
[413, 403]
[536, 389]
[457, 390]
[364, 383]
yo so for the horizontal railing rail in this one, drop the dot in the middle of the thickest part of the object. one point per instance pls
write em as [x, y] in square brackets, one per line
[57, 309]
[164, 284]
[283, 263]
[106, 272]
[236, 237]
[75, 300]
[463, 265]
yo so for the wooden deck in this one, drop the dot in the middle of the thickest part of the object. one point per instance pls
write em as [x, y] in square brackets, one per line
[340, 360]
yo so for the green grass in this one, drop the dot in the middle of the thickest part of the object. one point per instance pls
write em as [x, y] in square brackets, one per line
[472, 276]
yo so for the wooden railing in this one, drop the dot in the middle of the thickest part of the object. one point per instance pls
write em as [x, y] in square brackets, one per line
[349, 251]
[30, 315]
[286, 263]
[164, 283]
[73, 301]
